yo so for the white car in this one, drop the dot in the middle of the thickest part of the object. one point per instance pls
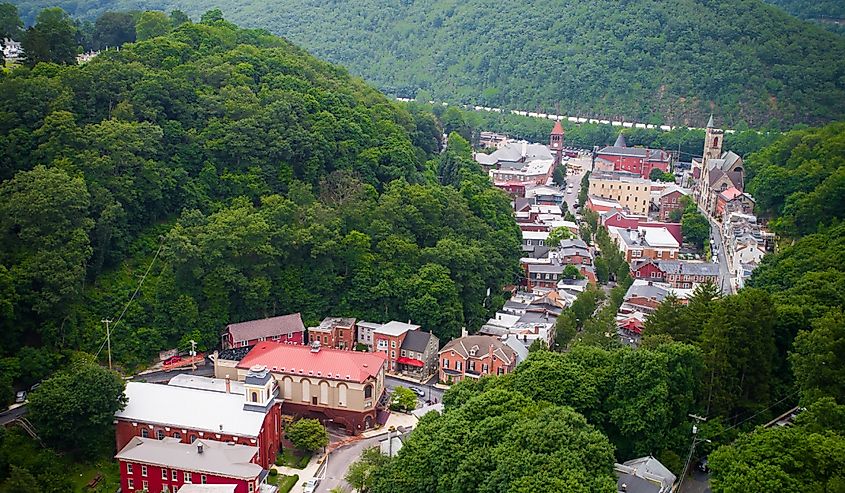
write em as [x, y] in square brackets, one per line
[310, 486]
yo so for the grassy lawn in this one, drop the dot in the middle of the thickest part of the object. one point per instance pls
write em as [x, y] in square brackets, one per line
[293, 458]
[81, 474]
[284, 483]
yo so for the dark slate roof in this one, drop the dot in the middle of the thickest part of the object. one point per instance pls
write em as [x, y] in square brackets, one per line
[416, 340]
[521, 202]
[639, 152]
[633, 484]
[710, 123]
[620, 141]
[234, 354]
[266, 327]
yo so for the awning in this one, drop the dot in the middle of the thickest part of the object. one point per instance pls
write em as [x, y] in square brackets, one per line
[410, 362]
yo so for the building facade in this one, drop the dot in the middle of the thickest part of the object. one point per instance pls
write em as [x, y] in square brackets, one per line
[171, 412]
[334, 332]
[645, 242]
[150, 465]
[638, 160]
[388, 339]
[286, 328]
[670, 200]
[474, 357]
[344, 387]
[630, 191]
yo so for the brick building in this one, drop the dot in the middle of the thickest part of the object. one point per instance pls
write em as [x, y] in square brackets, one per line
[388, 339]
[475, 356]
[188, 414]
[328, 384]
[644, 242]
[676, 273]
[286, 328]
[637, 160]
[670, 200]
[334, 332]
[165, 465]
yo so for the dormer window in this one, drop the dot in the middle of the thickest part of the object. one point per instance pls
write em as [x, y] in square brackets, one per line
[473, 351]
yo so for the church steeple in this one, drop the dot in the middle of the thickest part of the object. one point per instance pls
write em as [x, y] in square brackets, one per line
[556, 142]
[710, 121]
[620, 141]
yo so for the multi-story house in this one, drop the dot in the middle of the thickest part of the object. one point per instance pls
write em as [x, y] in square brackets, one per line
[165, 465]
[365, 333]
[475, 356]
[286, 328]
[388, 339]
[212, 410]
[643, 242]
[343, 386]
[334, 332]
[670, 200]
[418, 354]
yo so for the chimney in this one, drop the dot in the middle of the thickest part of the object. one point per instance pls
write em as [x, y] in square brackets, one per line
[228, 386]
[464, 332]
[199, 447]
[524, 150]
[490, 353]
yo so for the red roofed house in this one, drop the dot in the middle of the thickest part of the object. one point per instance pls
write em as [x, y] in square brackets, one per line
[286, 328]
[343, 386]
[205, 409]
[475, 356]
[165, 465]
[637, 160]
[733, 200]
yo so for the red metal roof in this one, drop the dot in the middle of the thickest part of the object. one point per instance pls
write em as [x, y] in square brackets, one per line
[558, 129]
[409, 361]
[326, 363]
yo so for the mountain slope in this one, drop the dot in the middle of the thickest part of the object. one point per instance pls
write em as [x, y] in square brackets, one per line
[829, 13]
[642, 59]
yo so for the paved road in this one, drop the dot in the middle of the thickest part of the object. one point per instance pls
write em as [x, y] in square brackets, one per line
[697, 482]
[340, 460]
[7, 417]
[724, 272]
[575, 180]
[431, 392]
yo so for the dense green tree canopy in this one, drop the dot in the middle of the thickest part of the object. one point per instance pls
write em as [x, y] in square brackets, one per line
[646, 59]
[307, 434]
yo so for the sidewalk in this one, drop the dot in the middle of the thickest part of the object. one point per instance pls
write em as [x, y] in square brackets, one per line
[304, 474]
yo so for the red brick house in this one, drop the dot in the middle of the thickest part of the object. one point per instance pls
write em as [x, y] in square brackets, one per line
[188, 414]
[475, 356]
[327, 384]
[679, 274]
[639, 160]
[388, 339]
[513, 188]
[670, 200]
[286, 328]
[334, 332]
[619, 219]
[165, 465]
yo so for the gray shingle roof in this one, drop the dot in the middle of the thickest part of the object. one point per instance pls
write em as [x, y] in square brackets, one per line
[416, 340]
[266, 327]
[217, 458]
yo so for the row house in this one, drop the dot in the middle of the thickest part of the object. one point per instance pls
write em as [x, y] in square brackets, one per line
[645, 242]
[601, 205]
[676, 273]
[474, 357]
[166, 465]
[545, 195]
[365, 333]
[286, 328]
[248, 415]
[334, 332]
[328, 384]
[733, 200]
[637, 160]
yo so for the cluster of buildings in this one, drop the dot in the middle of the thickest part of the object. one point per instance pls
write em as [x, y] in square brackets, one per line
[636, 160]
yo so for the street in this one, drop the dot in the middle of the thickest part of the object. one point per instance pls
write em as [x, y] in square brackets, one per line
[7, 417]
[724, 274]
[431, 392]
[574, 180]
[339, 461]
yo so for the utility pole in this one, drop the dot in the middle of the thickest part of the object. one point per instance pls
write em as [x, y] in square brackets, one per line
[695, 441]
[193, 354]
[108, 338]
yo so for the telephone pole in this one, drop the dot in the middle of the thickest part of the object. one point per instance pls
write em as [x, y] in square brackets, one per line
[108, 338]
[695, 441]
[193, 355]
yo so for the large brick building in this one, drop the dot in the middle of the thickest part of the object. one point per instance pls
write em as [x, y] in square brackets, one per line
[679, 274]
[285, 328]
[474, 357]
[249, 415]
[637, 160]
[165, 465]
[328, 384]
[630, 190]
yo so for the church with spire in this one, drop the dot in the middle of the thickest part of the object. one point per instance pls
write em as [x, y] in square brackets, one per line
[716, 172]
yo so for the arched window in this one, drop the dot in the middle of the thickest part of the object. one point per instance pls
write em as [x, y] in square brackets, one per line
[254, 396]
[715, 141]
[368, 392]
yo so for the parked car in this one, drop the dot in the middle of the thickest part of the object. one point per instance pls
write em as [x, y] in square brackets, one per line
[310, 486]
[417, 391]
[172, 360]
[20, 397]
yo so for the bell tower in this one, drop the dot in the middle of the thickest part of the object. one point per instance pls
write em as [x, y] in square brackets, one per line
[556, 143]
[713, 138]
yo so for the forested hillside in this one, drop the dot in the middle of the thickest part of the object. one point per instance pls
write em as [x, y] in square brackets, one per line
[236, 177]
[828, 13]
[656, 61]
